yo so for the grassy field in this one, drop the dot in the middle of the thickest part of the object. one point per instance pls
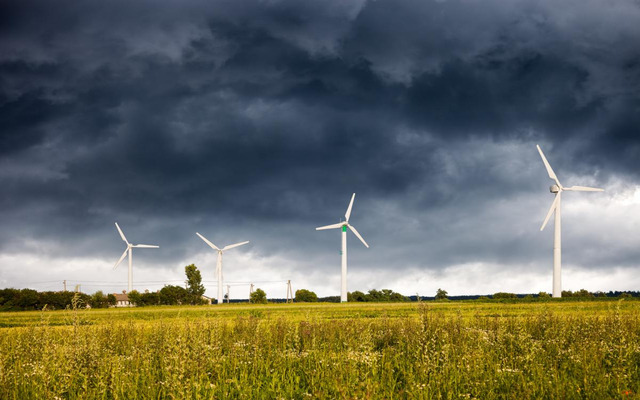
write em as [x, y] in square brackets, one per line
[453, 350]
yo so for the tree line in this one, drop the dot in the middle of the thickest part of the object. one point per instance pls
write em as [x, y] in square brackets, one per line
[192, 294]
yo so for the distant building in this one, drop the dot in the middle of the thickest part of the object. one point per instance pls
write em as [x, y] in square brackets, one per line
[208, 300]
[122, 299]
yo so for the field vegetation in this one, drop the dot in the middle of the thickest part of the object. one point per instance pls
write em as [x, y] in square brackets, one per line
[428, 350]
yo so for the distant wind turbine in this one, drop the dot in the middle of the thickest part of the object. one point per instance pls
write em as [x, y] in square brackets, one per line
[344, 225]
[219, 263]
[555, 207]
[130, 253]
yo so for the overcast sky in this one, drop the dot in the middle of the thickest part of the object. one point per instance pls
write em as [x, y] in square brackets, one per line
[257, 120]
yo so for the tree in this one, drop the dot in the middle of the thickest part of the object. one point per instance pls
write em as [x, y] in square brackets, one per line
[504, 295]
[356, 296]
[28, 299]
[380, 296]
[150, 299]
[258, 297]
[441, 294]
[396, 297]
[304, 295]
[584, 293]
[111, 299]
[173, 295]
[135, 298]
[99, 300]
[195, 288]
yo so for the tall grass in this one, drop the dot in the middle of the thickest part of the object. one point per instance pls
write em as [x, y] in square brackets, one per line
[430, 352]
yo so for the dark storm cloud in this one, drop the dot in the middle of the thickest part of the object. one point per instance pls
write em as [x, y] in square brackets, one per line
[270, 113]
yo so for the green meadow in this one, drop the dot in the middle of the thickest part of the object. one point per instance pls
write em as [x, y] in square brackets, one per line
[428, 350]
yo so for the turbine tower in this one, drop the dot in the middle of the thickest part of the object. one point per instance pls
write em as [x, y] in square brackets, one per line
[130, 253]
[555, 208]
[344, 225]
[219, 263]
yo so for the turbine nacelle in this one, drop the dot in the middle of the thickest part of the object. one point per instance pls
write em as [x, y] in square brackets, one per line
[555, 189]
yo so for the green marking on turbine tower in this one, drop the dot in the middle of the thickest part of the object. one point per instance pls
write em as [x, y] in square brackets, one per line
[344, 228]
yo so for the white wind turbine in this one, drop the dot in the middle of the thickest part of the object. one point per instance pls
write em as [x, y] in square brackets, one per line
[130, 253]
[344, 225]
[555, 207]
[219, 263]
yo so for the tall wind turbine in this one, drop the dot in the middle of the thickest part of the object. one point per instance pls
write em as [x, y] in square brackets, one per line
[219, 263]
[555, 207]
[130, 253]
[344, 225]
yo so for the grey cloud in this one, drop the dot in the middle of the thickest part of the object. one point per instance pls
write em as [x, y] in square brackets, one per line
[263, 117]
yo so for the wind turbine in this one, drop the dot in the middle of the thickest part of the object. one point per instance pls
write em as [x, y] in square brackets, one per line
[128, 251]
[219, 263]
[344, 225]
[555, 207]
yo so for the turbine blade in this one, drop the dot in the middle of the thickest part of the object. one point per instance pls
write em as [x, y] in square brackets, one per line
[334, 226]
[146, 246]
[124, 255]
[552, 174]
[553, 207]
[355, 232]
[348, 213]
[213, 246]
[121, 234]
[584, 189]
[231, 246]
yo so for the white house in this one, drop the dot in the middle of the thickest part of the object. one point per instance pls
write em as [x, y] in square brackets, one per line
[122, 299]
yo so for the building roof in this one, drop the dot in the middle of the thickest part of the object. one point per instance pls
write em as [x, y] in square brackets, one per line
[121, 296]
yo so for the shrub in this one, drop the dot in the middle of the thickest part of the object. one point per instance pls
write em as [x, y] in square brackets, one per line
[258, 297]
[307, 296]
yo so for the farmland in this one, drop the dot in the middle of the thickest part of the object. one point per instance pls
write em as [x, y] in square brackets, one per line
[452, 350]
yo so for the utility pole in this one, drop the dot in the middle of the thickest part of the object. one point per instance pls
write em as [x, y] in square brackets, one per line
[289, 291]
[228, 299]
[64, 282]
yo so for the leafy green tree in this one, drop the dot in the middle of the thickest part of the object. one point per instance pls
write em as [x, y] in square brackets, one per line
[504, 295]
[150, 299]
[174, 295]
[306, 296]
[99, 300]
[356, 296]
[258, 297]
[441, 294]
[396, 297]
[135, 298]
[111, 299]
[195, 288]
[583, 293]
[544, 295]
[28, 299]
[380, 296]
